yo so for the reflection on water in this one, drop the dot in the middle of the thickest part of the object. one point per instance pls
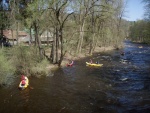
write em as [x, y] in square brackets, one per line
[122, 85]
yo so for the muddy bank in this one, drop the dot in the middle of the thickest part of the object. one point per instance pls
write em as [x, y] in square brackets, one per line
[71, 56]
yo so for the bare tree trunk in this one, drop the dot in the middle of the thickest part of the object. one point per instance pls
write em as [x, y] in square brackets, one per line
[1, 40]
[35, 33]
[92, 44]
[38, 39]
[80, 42]
[47, 39]
[93, 30]
[12, 36]
[82, 35]
[54, 51]
[17, 30]
[57, 43]
[30, 40]
[35, 42]
[1, 31]
[61, 54]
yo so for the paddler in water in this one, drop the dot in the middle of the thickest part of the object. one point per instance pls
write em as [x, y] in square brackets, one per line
[97, 62]
[122, 53]
[23, 77]
[23, 80]
[91, 61]
[71, 62]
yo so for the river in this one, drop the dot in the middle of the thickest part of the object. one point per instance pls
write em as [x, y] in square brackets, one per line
[121, 85]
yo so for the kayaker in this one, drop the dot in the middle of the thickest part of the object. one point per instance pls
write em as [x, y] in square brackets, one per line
[97, 62]
[91, 61]
[22, 77]
[23, 82]
[122, 53]
[71, 62]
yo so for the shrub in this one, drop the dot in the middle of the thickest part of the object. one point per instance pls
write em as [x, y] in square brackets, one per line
[27, 61]
[40, 68]
[6, 69]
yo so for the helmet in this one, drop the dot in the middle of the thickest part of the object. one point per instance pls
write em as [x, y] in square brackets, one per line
[23, 82]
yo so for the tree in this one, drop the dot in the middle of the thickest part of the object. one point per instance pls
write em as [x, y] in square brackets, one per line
[139, 31]
[57, 19]
[4, 21]
[147, 9]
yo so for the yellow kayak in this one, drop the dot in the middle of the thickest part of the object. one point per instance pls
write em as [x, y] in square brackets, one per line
[24, 86]
[89, 64]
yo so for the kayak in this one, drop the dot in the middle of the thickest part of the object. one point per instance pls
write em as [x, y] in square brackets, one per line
[24, 86]
[89, 64]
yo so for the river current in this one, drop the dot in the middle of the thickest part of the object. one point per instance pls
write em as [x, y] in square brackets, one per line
[121, 85]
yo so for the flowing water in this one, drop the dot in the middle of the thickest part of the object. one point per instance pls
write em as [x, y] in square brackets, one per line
[121, 85]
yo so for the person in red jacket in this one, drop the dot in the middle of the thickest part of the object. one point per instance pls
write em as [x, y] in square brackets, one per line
[23, 82]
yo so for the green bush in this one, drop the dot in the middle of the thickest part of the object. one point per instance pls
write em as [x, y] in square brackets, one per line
[6, 69]
[28, 61]
[40, 68]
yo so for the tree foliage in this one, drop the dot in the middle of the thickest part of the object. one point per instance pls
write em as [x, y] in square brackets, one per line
[147, 9]
[139, 30]
[75, 24]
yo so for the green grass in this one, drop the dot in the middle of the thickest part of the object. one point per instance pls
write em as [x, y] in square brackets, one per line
[6, 68]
